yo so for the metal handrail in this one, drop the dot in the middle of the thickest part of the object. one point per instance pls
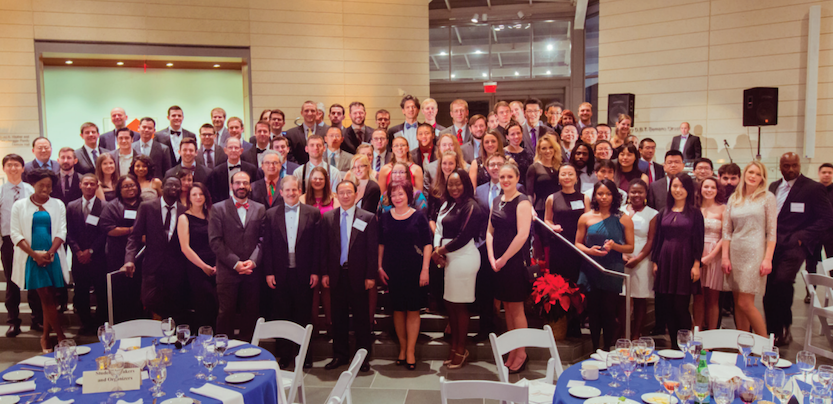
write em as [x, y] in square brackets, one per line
[591, 261]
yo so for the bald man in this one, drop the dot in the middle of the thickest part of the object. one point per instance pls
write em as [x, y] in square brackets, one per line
[119, 119]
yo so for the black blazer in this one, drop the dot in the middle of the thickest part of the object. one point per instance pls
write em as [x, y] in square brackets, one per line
[363, 254]
[160, 154]
[657, 192]
[808, 226]
[164, 137]
[298, 142]
[352, 140]
[250, 156]
[416, 156]
[261, 194]
[82, 236]
[233, 241]
[200, 173]
[276, 247]
[371, 198]
[108, 140]
[74, 189]
[85, 162]
[219, 156]
[693, 149]
[30, 166]
[219, 182]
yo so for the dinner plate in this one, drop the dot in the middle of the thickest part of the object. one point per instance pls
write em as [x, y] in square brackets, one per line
[18, 375]
[79, 381]
[9, 399]
[609, 400]
[658, 398]
[240, 378]
[178, 400]
[599, 364]
[82, 350]
[585, 392]
[168, 340]
[671, 354]
[247, 352]
[783, 364]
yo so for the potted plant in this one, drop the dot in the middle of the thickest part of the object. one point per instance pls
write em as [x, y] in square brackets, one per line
[556, 301]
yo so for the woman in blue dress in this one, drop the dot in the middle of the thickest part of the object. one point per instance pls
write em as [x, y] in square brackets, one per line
[38, 230]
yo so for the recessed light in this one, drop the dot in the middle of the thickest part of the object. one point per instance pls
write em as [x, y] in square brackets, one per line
[216, 65]
[452, 76]
[169, 64]
[484, 74]
[549, 47]
[69, 62]
[478, 51]
[442, 53]
[119, 63]
[517, 74]
[549, 72]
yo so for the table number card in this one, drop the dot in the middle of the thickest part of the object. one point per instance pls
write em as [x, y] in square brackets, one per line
[100, 381]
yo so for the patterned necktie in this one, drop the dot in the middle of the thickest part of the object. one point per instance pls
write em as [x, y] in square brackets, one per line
[86, 209]
[650, 174]
[333, 159]
[16, 189]
[533, 137]
[459, 136]
[271, 191]
[378, 163]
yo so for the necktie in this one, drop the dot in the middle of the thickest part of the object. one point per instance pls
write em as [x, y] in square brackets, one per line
[492, 194]
[332, 159]
[459, 136]
[533, 137]
[783, 192]
[16, 189]
[209, 160]
[360, 135]
[66, 185]
[345, 238]
[86, 209]
[309, 132]
[378, 163]
[95, 156]
[410, 126]
[238, 205]
[167, 224]
[271, 191]
[650, 174]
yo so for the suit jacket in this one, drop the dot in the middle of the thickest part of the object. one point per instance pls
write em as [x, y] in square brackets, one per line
[276, 245]
[219, 182]
[160, 154]
[343, 162]
[806, 215]
[115, 154]
[164, 137]
[298, 141]
[233, 241]
[108, 140]
[416, 156]
[450, 130]
[31, 166]
[362, 255]
[222, 137]
[369, 201]
[540, 130]
[200, 173]
[353, 140]
[74, 191]
[659, 170]
[468, 150]
[219, 156]
[163, 269]
[86, 162]
[250, 156]
[82, 236]
[260, 193]
[693, 149]
[657, 192]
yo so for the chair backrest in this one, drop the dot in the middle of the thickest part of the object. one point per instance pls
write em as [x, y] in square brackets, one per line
[728, 339]
[292, 332]
[824, 267]
[139, 328]
[526, 337]
[821, 281]
[820, 288]
[341, 391]
[517, 393]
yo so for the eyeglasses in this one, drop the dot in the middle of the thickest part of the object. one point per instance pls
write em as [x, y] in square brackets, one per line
[495, 165]
[128, 186]
[271, 163]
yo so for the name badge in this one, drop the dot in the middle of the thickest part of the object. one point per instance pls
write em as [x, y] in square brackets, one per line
[93, 220]
[359, 224]
[797, 207]
[575, 205]
[130, 214]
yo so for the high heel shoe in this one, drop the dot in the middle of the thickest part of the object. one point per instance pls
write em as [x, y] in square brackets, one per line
[410, 366]
[44, 344]
[453, 365]
[401, 362]
[520, 369]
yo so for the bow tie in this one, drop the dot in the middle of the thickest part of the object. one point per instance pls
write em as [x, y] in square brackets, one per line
[293, 208]
[260, 151]
[176, 133]
[411, 126]
[191, 168]
[235, 166]
[238, 205]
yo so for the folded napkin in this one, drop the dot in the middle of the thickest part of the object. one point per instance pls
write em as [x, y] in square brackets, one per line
[723, 358]
[128, 343]
[21, 387]
[137, 356]
[540, 392]
[56, 400]
[139, 401]
[600, 356]
[235, 343]
[38, 361]
[797, 390]
[219, 393]
[725, 372]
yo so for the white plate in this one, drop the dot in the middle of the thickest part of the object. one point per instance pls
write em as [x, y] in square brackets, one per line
[783, 364]
[609, 400]
[168, 340]
[653, 359]
[9, 399]
[240, 378]
[599, 364]
[658, 398]
[585, 392]
[671, 354]
[18, 375]
[82, 350]
[247, 352]
[178, 400]
[79, 381]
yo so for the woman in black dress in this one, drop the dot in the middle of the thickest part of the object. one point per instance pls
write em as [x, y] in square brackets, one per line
[404, 255]
[507, 243]
[541, 182]
[563, 209]
[627, 167]
[201, 267]
[521, 156]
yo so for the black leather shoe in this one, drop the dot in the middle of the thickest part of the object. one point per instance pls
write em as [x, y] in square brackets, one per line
[13, 331]
[337, 363]
[481, 337]
[365, 367]
[308, 364]
[36, 327]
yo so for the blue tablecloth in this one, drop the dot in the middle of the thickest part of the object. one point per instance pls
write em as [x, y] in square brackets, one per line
[639, 385]
[263, 389]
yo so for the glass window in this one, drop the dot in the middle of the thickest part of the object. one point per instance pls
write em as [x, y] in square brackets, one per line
[510, 51]
[438, 53]
[470, 52]
[551, 49]
[591, 50]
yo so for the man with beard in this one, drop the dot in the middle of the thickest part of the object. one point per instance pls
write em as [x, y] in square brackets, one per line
[477, 128]
[584, 161]
[357, 133]
[68, 187]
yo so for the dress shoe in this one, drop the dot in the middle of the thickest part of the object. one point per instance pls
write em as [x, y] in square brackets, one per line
[13, 331]
[36, 327]
[308, 364]
[807, 299]
[337, 363]
[365, 367]
[285, 363]
[784, 339]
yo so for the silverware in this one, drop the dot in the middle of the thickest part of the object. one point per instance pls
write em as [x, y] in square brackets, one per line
[244, 371]
[231, 385]
[42, 397]
[154, 400]
[33, 370]
[194, 399]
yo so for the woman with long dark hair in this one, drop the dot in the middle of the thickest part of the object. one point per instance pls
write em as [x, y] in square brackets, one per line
[491, 143]
[106, 172]
[143, 169]
[318, 192]
[522, 157]
[201, 268]
[401, 154]
[627, 167]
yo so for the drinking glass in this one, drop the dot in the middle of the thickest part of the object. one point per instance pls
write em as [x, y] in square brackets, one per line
[702, 388]
[206, 333]
[115, 369]
[52, 371]
[695, 345]
[825, 375]
[649, 352]
[199, 354]
[683, 338]
[183, 333]
[774, 378]
[107, 337]
[623, 346]
[660, 370]
[168, 328]
[806, 362]
[612, 361]
[749, 390]
[157, 375]
[724, 391]
[686, 390]
[209, 360]
[785, 391]
[68, 365]
[745, 344]
[671, 382]
[628, 364]
[638, 350]
[770, 357]
[69, 344]
[220, 346]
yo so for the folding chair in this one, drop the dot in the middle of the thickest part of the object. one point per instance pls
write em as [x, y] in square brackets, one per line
[818, 284]
[728, 339]
[526, 337]
[505, 392]
[292, 381]
[341, 391]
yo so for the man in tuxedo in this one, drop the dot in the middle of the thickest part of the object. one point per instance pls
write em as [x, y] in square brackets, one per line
[235, 228]
[805, 215]
[357, 133]
[124, 154]
[349, 270]
[336, 115]
[280, 144]
[687, 143]
[174, 133]
[188, 152]
[291, 260]
[658, 190]
[460, 118]
[381, 152]
[210, 152]
[277, 120]
[471, 149]
[410, 109]
[585, 116]
[219, 179]
[647, 149]
[235, 129]
[42, 149]
[504, 115]
[89, 264]
[218, 121]
[298, 135]
[383, 119]
[267, 189]
[254, 155]
[68, 187]
[337, 157]
[533, 129]
[159, 153]
[315, 151]
[553, 114]
[426, 152]
[119, 119]
[89, 152]
[164, 281]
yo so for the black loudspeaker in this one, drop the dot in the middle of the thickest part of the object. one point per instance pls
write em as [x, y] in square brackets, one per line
[760, 106]
[620, 104]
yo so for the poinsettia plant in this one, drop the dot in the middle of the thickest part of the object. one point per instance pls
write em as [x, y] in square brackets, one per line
[554, 297]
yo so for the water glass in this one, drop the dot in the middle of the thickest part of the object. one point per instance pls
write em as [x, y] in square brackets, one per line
[52, 371]
[220, 346]
[107, 337]
[825, 375]
[745, 344]
[819, 395]
[770, 357]
[749, 390]
[157, 375]
[183, 333]
[612, 362]
[210, 360]
[638, 350]
[69, 344]
[168, 328]
[806, 362]
[628, 365]
[686, 390]
[68, 365]
[683, 338]
[774, 378]
[785, 391]
[695, 345]
[724, 391]
[199, 354]
[650, 346]
[206, 333]
[116, 367]
[623, 346]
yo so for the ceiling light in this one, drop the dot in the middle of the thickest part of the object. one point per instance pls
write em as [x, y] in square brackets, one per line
[216, 65]
[477, 51]
[485, 17]
[169, 64]
[549, 47]
[119, 63]
[474, 18]
[484, 74]
[549, 72]
[69, 62]
[442, 53]
[520, 14]
[452, 75]
[517, 74]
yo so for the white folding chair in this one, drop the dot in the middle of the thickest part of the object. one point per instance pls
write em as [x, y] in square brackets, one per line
[292, 381]
[526, 337]
[817, 284]
[824, 268]
[728, 339]
[139, 328]
[341, 391]
[505, 392]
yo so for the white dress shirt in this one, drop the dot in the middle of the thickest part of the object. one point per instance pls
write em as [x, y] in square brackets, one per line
[170, 230]
[351, 214]
[292, 216]
[683, 140]
[241, 211]
[125, 160]
[145, 149]
[410, 135]
[175, 140]
[8, 196]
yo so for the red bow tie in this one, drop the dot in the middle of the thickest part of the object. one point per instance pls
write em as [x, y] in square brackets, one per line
[238, 205]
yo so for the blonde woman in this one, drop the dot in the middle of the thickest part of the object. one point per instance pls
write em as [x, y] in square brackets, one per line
[542, 175]
[749, 231]
[367, 192]
[367, 150]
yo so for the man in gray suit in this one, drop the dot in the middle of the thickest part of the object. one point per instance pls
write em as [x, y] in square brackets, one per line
[174, 133]
[218, 120]
[42, 149]
[460, 117]
[471, 149]
[298, 135]
[88, 153]
[158, 152]
[119, 119]
[533, 128]
[358, 132]
[334, 154]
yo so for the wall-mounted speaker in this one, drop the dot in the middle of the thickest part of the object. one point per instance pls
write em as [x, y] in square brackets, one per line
[760, 106]
[620, 104]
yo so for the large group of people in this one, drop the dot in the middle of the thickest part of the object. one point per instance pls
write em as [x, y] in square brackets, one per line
[212, 228]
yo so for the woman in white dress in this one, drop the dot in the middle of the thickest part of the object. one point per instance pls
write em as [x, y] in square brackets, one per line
[638, 264]
[706, 306]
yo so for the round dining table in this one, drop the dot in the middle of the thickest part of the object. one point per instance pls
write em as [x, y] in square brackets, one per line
[180, 377]
[642, 386]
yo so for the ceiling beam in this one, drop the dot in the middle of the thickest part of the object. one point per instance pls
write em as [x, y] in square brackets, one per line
[581, 14]
[447, 4]
[467, 61]
[434, 59]
[457, 31]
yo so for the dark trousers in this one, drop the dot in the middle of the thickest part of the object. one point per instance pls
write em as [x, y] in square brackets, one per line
[203, 297]
[13, 291]
[238, 306]
[294, 303]
[602, 310]
[484, 293]
[344, 298]
[778, 298]
[86, 276]
[674, 309]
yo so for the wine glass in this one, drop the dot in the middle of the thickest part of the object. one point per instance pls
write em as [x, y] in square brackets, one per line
[671, 381]
[749, 390]
[220, 346]
[628, 364]
[52, 371]
[660, 370]
[623, 346]
[683, 338]
[819, 395]
[695, 345]
[686, 390]
[107, 337]
[69, 344]
[612, 361]
[785, 391]
[773, 379]
[825, 375]
[206, 333]
[638, 351]
[745, 344]
[770, 357]
[199, 354]
[209, 360]
[649, 352]
[183, 333]
[68, 365]
[806, 362]
[724, 391]
[168, 329]
[115, 369]
[157, 375]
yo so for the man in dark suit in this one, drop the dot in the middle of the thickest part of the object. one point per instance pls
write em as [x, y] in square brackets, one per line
[254, 156]
[533, 129]
[89, 266]
[156, 151]
[350, 239]
[119, 119]
[124, 154]
[235, 129]
[219, 179]
[658, 190]
[210, 153]
[647, 149]
[164, 281]
[218, 121]
[805, 215]
[277, 120]
[267, 189]
[280, 144]
[188, 152]
[460, 118]
[410, 109]
[88, 154]
[334, 154]
[291, 260]
[298, 135]
[235, 228]
[357, 133]
[687, 143]
[174, 133]
[68, 187]
[42, 149]
[381, 152]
